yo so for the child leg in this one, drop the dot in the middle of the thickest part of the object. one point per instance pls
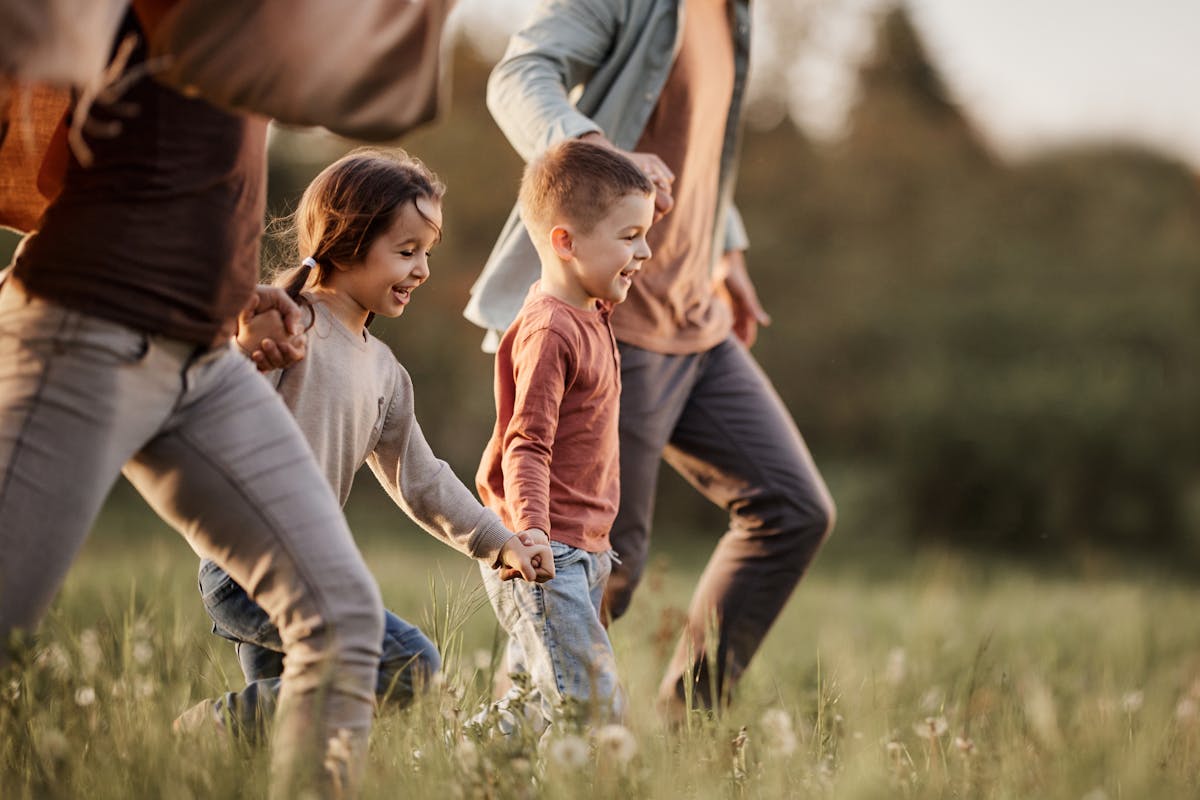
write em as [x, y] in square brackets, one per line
[557, 624]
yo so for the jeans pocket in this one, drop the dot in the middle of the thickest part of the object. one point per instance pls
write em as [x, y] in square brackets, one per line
[103, 341]
[565, 555]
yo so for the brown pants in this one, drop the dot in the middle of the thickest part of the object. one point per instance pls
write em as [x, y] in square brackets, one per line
[213, 449]
[716, 419]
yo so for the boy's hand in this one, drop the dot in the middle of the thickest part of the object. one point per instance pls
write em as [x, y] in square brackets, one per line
[527, 555]
[269, 330]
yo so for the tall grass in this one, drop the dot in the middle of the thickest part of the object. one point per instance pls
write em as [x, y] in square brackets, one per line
[935, 677]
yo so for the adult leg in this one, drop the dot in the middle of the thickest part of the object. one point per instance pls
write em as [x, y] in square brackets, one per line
[737, 444]
[654, 391]
[78, 395]
[233, 473]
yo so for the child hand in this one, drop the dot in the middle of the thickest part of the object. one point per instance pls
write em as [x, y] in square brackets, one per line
[268, 331]
[527, 555]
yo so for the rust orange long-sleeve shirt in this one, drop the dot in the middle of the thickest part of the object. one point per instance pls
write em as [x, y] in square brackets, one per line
[552, 460]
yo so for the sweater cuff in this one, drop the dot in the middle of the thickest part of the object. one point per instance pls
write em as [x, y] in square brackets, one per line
[487, 544]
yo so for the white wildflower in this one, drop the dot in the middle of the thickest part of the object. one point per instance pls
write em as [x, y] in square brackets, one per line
[142, 652]
[85, 696]
[569, 751]
[778, 734]
[90, 652]
[615, 742]
[1186, 709]
[931, 727]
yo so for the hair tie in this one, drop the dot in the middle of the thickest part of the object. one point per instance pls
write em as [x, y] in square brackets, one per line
[309, 262]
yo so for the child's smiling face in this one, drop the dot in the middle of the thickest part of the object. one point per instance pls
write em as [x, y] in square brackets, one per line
[605, 258]
[396, 263]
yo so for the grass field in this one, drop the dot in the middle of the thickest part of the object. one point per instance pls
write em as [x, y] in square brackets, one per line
[889, 675]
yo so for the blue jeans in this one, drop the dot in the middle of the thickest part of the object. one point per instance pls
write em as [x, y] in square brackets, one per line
[556, 637]
[409, 660]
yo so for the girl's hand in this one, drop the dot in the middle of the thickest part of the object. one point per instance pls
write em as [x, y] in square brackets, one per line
[527, 555]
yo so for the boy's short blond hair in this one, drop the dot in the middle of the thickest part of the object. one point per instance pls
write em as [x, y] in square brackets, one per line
[576, 182]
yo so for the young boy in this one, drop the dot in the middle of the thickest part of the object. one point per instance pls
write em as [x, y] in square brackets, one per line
[551, 464]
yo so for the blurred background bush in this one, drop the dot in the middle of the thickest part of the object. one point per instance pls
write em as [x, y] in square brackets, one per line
[981, 353]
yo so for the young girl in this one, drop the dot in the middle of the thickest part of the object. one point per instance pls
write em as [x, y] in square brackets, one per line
[365, 227]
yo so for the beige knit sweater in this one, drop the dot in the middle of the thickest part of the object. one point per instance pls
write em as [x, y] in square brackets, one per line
[354, 403]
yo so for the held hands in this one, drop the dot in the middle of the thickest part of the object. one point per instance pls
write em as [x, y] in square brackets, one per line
[748, 312]
[269, 329]
[527, 555]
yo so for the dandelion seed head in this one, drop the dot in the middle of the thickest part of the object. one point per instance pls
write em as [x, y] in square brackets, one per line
[1186, 709]
[616, 743]
[482, 660]
[965, 745]
[142, 652]
[931, 727]
[1132, 702]
[90, 652]
[569, 751]
[85, 696]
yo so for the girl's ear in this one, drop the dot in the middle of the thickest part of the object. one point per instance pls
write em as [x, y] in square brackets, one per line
[563, 242]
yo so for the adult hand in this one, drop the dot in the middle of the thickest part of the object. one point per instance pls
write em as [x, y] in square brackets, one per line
[748, 312]
[269, 329]
[654, 168]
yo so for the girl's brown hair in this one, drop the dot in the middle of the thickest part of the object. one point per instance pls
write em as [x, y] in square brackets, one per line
[348, 205]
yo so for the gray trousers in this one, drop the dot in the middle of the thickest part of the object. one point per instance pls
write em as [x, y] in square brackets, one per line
[716, 419]
[214, 450]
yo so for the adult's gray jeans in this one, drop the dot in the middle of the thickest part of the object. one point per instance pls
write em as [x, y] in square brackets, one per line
[214, 450]
[717, 420]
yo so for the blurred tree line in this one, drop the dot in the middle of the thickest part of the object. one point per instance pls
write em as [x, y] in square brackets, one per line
[1006, 352]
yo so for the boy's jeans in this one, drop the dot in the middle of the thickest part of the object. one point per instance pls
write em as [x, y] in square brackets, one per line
[408, 664]
[556, 635]
[213, 449]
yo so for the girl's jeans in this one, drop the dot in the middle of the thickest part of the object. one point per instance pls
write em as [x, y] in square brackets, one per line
[408, 663]
[556, 637]
[215, 452]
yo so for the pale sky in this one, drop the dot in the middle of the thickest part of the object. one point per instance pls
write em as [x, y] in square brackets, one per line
[1031, 73]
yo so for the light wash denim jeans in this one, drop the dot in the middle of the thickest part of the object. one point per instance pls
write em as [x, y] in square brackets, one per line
[556, 637]
[211, 447]
[407, 666]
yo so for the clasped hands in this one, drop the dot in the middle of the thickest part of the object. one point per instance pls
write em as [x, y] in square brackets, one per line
[527, 555]
[270, 329]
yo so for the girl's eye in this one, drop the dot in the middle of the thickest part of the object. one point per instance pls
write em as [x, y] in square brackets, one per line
[407, 253]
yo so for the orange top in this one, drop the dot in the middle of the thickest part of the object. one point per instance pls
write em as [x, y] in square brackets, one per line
[552, 460]
[672, 306]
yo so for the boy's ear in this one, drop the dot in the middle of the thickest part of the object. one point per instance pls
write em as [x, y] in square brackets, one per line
[563, 242]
